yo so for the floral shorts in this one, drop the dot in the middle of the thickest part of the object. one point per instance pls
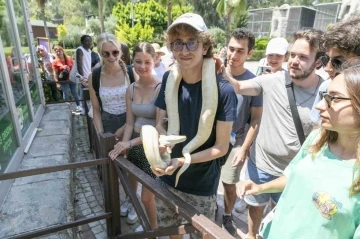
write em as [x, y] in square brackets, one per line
[166, 216]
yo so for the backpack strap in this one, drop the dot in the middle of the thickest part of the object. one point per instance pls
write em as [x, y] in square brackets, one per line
[294, 111]
[96, 83]
[130, 72]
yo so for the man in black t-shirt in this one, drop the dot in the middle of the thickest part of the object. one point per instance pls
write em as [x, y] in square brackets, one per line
[191, 44]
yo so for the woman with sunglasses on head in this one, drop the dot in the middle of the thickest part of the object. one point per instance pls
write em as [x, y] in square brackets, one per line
[62, 66]
[107, 87]
[321, 186]
[140, 110]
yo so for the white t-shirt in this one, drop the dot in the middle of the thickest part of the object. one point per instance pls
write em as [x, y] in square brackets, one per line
[159, 71]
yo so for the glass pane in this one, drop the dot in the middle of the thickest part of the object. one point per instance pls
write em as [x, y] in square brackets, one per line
[25, 46]
[13, 62]
[8, 142]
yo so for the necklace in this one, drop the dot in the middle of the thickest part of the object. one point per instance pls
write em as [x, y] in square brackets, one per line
[316, 90]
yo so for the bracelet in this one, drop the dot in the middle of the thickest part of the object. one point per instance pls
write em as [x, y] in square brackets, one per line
[130, 144]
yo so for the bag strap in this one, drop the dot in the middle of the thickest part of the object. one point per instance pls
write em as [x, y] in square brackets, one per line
[295, 112]
[96, 83]
[130, 72]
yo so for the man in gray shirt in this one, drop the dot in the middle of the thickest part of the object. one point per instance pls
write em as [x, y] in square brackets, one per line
[277, 142]
[240, 47]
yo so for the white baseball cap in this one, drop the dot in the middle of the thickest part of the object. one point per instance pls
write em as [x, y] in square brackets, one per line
[191, 19]
[278, 45]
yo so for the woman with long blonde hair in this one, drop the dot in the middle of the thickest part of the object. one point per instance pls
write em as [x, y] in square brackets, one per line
[107, 87]
[321, 186]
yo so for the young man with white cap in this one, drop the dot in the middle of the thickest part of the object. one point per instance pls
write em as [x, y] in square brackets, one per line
[276, 50]
[278, 140]
[159, 68]
[198, 84]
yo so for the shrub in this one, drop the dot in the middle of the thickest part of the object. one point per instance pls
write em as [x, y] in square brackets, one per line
[257, 55]
[219, 36]
[261, 43]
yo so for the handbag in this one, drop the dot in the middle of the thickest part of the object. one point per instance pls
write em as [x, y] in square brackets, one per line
[64, 75]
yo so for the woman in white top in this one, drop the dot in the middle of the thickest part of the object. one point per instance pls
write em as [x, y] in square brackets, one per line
[107, 87]
[140, 110]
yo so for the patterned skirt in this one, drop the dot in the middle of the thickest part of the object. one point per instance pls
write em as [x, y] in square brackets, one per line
[137, 156]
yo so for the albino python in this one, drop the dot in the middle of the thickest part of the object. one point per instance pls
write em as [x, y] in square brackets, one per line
[150, 136]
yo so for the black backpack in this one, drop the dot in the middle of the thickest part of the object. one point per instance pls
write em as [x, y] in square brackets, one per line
[96, 80]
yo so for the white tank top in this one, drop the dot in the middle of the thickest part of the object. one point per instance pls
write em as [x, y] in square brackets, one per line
[86, 64]
[113, 99]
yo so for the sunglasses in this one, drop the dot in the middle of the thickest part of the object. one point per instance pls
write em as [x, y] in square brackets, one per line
[335, 62]
[106, 54]
[329, 98]
[179, 45]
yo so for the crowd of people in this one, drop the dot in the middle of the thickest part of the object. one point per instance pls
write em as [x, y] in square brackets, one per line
[296, 134]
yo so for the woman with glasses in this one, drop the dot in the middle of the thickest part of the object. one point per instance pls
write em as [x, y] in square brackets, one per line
[107, 87]
[321, 186]
[62, 66]
[140, 110]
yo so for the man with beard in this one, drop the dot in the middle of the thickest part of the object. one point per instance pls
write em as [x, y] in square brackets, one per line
[277, 142]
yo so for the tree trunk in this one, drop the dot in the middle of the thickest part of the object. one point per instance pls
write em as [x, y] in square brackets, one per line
[101, 17]
[169, 8]
[45, 24]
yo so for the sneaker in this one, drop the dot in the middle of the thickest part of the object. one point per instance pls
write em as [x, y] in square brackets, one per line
[132, 216]
[139, 229]
[240, 206]
[79, 108]
[124, 209]
[228, 225]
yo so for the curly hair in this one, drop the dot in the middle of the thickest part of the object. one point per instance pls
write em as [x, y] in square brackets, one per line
[243, 34]
[344, 36]
[313, 37]
[203, 37]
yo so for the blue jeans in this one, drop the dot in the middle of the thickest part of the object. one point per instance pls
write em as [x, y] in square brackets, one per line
[259, 177]
[66, 89]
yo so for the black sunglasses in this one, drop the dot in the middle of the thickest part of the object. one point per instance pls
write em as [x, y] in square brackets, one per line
[335, 62]
[328, 98]
[179, 45]
[106, 54]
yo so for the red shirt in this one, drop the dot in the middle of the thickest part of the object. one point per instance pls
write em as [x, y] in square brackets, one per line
[60, 65]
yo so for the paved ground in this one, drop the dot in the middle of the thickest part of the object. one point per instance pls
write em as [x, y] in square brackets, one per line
[88, 195]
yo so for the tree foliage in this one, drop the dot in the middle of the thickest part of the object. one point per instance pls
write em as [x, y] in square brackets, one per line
[134, 35]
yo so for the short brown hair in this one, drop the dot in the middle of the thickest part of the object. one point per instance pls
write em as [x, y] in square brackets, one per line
[344, 36]
[204, 37]
[313, 37]
[144, 47]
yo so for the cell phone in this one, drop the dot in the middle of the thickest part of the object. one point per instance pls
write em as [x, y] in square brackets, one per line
[265, 69]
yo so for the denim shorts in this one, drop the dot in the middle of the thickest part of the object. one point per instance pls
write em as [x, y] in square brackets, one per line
[111, 122]
[259, 177]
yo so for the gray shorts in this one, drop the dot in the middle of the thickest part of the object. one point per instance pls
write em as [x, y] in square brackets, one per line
[230, 174]
[168, 217]
[259, 177]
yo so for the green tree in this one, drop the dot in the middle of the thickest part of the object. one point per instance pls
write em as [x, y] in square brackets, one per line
[62, 32]
[41, 4]
[226, 8]
[169, 5]
[93, 27]
[134, 35]
[211, 18]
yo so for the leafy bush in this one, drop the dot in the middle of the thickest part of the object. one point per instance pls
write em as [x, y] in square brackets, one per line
[257, 55]
[110, 24]
[93, 27]
[261, 43]
[72, 39]
[219, 36]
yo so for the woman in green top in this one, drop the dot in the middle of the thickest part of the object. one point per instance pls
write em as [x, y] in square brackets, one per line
[321, 186]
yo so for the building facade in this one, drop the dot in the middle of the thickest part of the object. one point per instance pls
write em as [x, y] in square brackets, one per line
[21, 94]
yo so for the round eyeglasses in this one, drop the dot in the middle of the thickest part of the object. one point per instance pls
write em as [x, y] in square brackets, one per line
[106, 54]
[179, 45]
